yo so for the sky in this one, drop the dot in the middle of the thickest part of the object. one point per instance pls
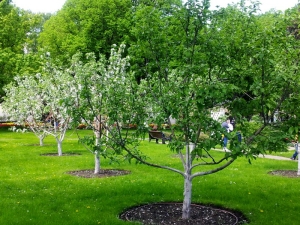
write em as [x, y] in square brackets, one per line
[51, 6]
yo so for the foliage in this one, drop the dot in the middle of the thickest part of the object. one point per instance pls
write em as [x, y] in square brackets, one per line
[86, 26]
[18, 31]
[104, 102]
[36, 101]
[227, 58]
[24, 102]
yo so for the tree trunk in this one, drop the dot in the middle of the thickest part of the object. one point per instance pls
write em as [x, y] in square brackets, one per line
[97, 141]
[97, 163]
[186, 208]
[41, 140]
[59, 147]
[97, 144]
[297, 149]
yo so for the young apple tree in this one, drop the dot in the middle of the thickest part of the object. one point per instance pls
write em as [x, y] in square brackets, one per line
[24, 102]
[105, 102]
[226, 58]
[35, 101]
[57, 86]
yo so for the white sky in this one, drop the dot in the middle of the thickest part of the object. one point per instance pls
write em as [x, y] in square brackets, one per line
[43, 6]
[51, 6]
[265, 5]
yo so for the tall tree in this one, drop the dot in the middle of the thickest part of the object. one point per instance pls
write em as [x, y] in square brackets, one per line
[86, 26]
[12, 36]
[17, 34]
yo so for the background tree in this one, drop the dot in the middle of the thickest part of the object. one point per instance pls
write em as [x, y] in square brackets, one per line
[18, 31]
[12, 35]
[86, 26]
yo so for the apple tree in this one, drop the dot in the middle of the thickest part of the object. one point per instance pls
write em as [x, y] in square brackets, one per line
[36, 102]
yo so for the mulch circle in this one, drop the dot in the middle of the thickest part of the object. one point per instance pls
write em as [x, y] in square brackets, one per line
[170, 213]
[102, 173]
[285, 173]
[56, 154]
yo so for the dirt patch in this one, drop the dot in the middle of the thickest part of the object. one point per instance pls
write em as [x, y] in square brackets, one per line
[102, 173]
[56, 154]
[170, 213]
[285, 173]
[38, 145]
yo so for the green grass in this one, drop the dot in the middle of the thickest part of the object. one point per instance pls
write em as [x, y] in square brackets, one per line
[36, 189]
[287, 154]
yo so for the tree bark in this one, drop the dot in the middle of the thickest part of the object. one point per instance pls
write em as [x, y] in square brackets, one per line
[41, 140]
[97, 163]
[97, 135]
[186, 208]
[59, 147]
[187, 193]
[297, 149]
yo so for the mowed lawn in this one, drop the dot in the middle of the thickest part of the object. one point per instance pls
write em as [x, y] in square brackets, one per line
[36, 189]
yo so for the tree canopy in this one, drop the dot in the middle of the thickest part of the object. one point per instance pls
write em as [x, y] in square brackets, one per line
[18, 42]
[86, 26]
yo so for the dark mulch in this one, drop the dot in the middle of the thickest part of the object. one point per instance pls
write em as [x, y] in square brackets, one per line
[56, 154]
[102, 173]
[38, 145]
[285, 173]
[170, 213]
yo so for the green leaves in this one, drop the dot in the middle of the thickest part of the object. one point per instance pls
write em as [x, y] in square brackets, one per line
[86, 26]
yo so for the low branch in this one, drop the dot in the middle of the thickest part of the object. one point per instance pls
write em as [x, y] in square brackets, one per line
[213, 171]
[152, 164]
[210, 163]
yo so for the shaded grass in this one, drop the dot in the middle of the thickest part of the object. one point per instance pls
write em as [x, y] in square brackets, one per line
[36, 189]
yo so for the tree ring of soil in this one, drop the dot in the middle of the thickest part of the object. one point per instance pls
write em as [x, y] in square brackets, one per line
[56, 154]
[170, 213]
[285, 173]
[102, 173]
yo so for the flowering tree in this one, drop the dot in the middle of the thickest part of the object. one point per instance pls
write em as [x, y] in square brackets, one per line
[104, 101]
[57, 86]
[35, 101]
[24, 102]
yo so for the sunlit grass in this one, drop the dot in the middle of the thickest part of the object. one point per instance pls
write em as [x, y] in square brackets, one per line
[36, 189]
